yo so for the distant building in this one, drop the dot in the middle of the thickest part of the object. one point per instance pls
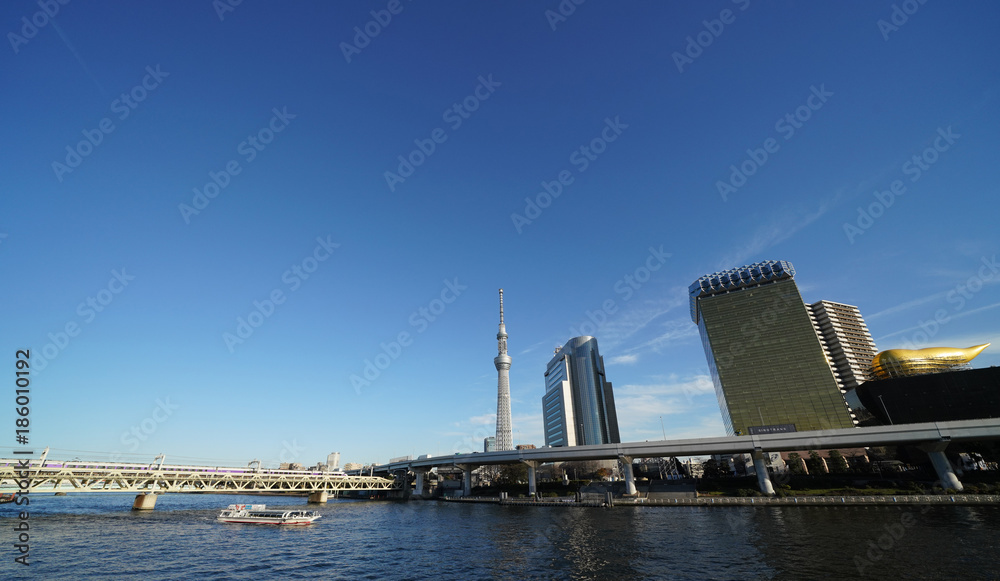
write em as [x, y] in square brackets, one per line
[490, 444]
[578, 407]
[772, 357]
[352, 466]
[290, 466]
[333, 460]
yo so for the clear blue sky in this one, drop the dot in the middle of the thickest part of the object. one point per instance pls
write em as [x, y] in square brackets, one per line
[265, 100]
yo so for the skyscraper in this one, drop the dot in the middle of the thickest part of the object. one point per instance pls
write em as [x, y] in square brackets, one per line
[848, 344]
[768, 362]
[504, 437]
[578, 407]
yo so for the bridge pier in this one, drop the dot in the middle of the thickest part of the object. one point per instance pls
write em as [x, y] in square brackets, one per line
[466, 479]
[944, 469]
[144, 501]
[763, 478]
[626, 461]
[419, 485]
[532, 480]
[318, 497]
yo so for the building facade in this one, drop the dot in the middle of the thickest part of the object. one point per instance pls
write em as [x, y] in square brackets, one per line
[578, 407]
[848, 344]
[489, 444]
[768, 362]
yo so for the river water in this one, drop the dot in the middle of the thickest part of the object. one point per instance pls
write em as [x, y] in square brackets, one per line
[97, 536]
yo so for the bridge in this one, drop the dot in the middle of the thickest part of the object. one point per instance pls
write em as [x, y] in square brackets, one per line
[148, 480]
[931, 437]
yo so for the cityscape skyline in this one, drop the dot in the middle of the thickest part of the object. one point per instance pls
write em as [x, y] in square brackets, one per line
[234, 213]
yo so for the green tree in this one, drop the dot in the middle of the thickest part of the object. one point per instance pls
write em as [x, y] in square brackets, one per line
[511, 474]
[837, 462]
[713, 469]
[815, 463]
[795, 465]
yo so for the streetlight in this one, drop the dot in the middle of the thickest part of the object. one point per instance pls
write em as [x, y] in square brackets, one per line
[664, 430]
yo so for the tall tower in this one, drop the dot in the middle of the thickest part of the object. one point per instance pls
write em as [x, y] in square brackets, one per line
[504, 438]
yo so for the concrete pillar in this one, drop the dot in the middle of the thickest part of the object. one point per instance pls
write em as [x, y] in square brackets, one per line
[144, 501]
[944, 469]
[466, 481]
[532, 486]
[626, 461]
[318, 497]
[763, 478]
[419, 486]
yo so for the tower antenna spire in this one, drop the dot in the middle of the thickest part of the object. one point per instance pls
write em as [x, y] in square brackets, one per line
[502, 363]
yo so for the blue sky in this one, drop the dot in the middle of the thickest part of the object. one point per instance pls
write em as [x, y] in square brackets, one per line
[789, 133]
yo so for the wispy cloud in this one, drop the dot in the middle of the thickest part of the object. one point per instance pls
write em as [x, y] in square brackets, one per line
[952, 318]
[624, 359]
[771, 234]
[907, 305]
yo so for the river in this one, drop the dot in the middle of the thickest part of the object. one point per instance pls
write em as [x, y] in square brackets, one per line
[97, 536]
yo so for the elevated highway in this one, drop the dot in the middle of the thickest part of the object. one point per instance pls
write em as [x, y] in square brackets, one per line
[932, 437]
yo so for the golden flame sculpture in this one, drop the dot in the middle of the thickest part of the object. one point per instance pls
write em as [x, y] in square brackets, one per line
[907, 362]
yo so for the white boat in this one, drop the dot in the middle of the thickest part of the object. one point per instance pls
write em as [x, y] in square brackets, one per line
[258, 514]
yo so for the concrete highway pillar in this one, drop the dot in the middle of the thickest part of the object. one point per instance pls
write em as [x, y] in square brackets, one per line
[419, 486]
[144, 501]
[466, 481]
[532, 481]
[318, 497]
[763, 478]
[941, 464]
[626, 461]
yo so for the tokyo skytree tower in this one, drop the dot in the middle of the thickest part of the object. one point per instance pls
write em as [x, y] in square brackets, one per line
[504, 438]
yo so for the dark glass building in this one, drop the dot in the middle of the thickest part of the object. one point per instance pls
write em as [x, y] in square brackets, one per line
[966, 394]
[771, 370]
[578, 407]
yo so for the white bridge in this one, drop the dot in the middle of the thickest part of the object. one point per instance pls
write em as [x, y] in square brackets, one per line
[931, 437]
[27, 475]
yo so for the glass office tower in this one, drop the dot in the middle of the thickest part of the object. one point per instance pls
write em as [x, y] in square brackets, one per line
[578, 407]
[767, 362]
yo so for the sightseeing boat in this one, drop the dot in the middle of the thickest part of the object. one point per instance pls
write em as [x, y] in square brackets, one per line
[258, 514]
[6, 497]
